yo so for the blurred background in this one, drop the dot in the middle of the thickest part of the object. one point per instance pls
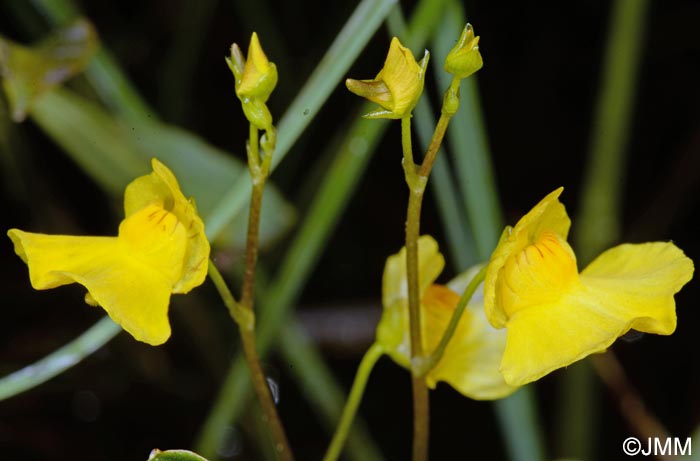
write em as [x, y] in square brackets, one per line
[540, 119]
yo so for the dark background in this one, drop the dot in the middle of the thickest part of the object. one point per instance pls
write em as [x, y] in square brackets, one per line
[538, 87]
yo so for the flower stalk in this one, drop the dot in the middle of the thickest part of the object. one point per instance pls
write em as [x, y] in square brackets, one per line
[370, 358]
[242, 312]
[259, 171]
[397, 88]
[417, 180]
[421, 401]
[255, 79]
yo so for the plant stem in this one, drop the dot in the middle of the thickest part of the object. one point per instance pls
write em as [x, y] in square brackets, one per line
[262, 389]
[435, 144]
[415, 200]
[421, 402]
[439, 351]
[253, 153]
[358, 388]
[245, 318]
[240, 315]
[450, 105]
[421, 419]
[409, 166]
[417, 179]
[416, 185]
[251, 247]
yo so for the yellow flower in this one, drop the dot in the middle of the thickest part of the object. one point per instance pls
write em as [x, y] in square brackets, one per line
[256, 78]
[161, 249]
[464, 59]
[555, 315]
[471, 360]
[397, 87]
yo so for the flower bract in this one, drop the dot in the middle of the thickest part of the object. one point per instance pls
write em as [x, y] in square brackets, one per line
[471, 360]
[160, 249]
[555, 315]
[397, 87]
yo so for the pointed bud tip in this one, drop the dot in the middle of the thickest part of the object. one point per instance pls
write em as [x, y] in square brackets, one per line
[258, 76]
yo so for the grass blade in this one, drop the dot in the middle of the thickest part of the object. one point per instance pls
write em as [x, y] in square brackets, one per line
[60, 360]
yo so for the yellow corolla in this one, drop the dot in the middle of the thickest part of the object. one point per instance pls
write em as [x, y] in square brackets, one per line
[161, 249]
[555, 315]
[397, 87]
[471, 360]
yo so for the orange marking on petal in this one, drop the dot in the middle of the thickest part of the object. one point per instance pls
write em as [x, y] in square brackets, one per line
[440, 296]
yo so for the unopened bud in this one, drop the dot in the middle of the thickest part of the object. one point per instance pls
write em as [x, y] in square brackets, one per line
[464, 59]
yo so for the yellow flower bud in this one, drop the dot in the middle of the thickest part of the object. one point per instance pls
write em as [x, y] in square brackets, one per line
[464, 59]
[397, 87]
[256, 78]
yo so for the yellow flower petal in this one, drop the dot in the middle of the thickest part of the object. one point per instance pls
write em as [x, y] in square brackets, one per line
[404, 77]
[627, 287]
[471, 360]
[161, 187]
[540, 273]
[52, 258]
[372, 90]
[394, 282]
[638, 282]
[550, 336]
[130, 276]
[392, 331]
